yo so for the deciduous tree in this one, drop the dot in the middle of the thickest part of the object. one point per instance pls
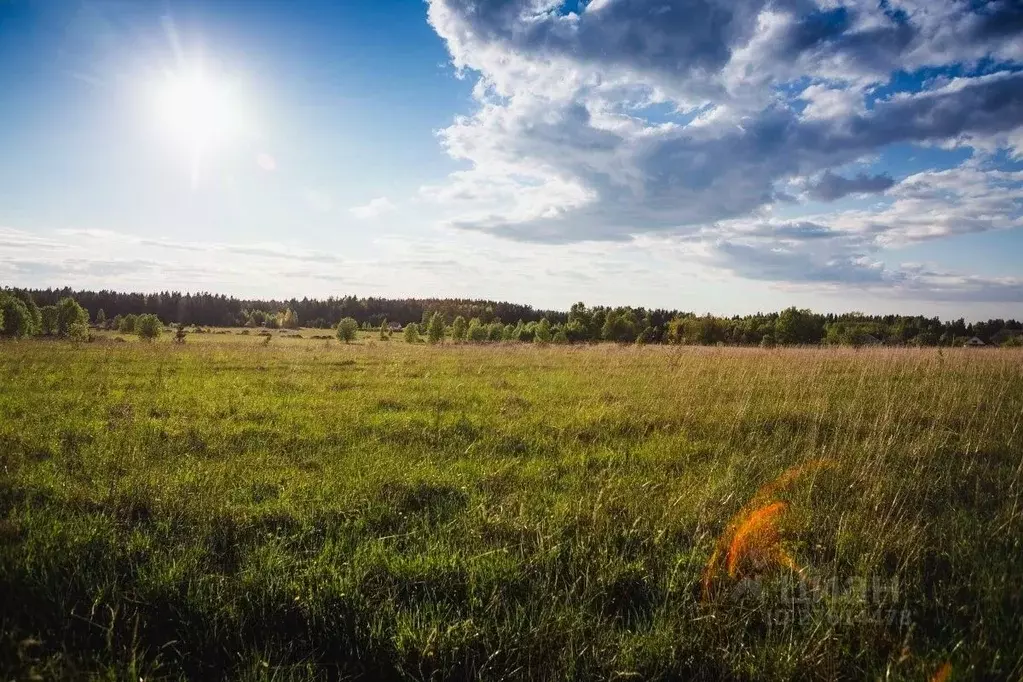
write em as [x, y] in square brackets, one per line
[148, 327]
[459, 329]
[347, 329]
[435, 330]
[68, 313]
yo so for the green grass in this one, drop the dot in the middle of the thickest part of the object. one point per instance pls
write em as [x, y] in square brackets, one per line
[305, 509]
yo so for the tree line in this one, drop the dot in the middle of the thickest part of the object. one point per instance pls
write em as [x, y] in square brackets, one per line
[481, 321]
[217, 310]
[790, 327]
[21, 316]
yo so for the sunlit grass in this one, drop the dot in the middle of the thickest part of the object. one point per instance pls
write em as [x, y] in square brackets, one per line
[303, 508]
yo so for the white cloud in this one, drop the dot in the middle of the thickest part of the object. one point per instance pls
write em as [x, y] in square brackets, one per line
[691, 121]
[374, 209]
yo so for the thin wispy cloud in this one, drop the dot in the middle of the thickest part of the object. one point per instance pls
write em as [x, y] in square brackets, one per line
[374, 209]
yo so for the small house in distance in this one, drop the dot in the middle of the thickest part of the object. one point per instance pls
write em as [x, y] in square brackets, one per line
[394, 326]
[974, 342]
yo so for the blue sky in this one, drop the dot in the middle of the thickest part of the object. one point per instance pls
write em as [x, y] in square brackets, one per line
[715, 156]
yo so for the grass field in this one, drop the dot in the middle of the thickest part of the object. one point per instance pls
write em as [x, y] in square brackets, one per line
[304, 509]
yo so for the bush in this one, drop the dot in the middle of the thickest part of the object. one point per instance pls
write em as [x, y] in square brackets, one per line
[347, 330]
[14, 316]
[127, 324]
[48, 315]
[459, 328]
[435, 330]
[35, 317]
[79, 331]
[411, 333]
[148, 327]
[68, 313]
[542, 334]
[288, 319]
[476, 332]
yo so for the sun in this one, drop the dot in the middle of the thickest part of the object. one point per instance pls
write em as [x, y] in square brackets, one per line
[198, 113]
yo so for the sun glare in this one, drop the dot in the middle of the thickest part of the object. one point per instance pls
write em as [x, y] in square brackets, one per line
[198, 113]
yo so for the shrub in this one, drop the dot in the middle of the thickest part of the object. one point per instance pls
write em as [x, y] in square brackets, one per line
[288, 319]
[495, 330]
[35, 317]
[411, 333]
[435, 330]
[459, 328]
[79, 331]
[148, 327]
[68, 313]
[14, 316]
[347, 329]
[620, 326]
[48, 315]
[647, 335]
[127, 324]
[476, 332]
[383, 330]
[542, 334]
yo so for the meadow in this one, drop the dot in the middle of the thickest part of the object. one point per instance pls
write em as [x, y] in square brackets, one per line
[230, 508]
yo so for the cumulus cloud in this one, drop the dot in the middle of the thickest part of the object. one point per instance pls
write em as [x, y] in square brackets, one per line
[847, 247]
[676, 119]
[375, 208]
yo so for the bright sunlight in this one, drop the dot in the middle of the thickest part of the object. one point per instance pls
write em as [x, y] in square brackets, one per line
[199, 114]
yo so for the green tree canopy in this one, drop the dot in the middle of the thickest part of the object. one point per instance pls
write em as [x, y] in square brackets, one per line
[459, 328]
[435, 330]
[347, 329]
[543, 333]
[48, 315]
[34, 314]
[796, 326]
[14, 315]
[477, 332]
[148, 327]
[68, 313]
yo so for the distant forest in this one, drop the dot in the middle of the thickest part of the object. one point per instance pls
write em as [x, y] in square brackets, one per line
[579, 324]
